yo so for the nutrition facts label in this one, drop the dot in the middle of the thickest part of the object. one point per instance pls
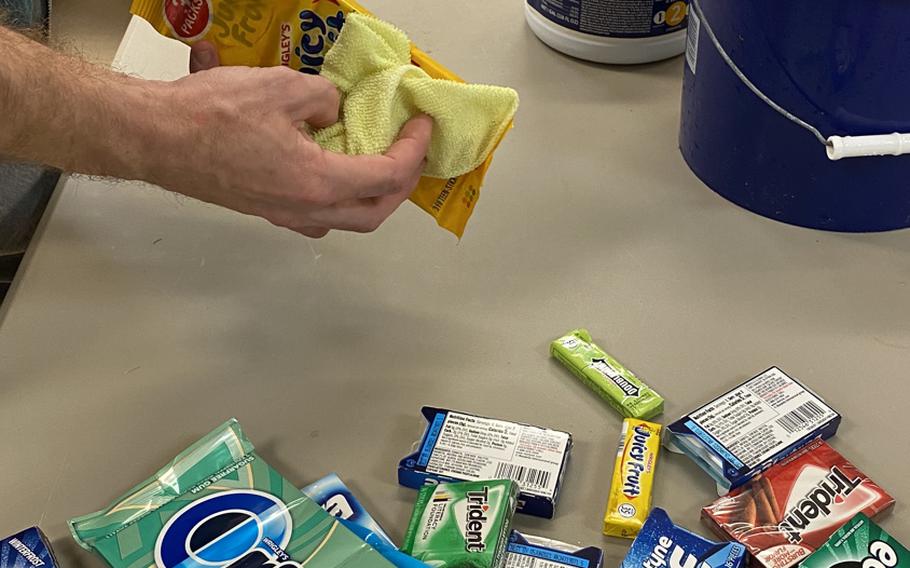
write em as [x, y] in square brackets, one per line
[475, 448]
[762, 417]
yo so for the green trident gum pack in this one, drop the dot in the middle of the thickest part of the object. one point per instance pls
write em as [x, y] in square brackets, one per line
[462, 525]
[219, 505]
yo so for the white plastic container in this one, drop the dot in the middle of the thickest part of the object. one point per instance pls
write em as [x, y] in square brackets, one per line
[611, 31]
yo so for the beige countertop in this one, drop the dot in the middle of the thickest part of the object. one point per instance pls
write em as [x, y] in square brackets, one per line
[141, 320]
[90, 28]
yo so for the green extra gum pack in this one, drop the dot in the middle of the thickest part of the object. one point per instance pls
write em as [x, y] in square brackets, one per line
[606, 376]
[462, 525]
[219, 505]
[859, 544]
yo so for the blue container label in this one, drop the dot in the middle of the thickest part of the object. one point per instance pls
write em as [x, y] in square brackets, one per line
[616, 18]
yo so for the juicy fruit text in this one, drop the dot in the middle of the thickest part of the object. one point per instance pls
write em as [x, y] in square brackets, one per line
[638, 461]
[318, 33]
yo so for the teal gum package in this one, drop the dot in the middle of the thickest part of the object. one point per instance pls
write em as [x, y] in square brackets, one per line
[220, 505]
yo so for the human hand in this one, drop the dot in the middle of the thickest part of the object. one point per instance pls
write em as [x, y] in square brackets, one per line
[238, 143]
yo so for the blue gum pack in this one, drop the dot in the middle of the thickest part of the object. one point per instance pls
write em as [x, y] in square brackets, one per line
[27, 549]
[334, 496]
[661, 544]
[745, 431]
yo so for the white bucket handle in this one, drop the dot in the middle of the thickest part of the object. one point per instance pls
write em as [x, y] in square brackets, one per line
[837, 147]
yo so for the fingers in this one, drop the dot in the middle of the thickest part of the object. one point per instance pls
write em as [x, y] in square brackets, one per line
[293, 223]
[313, 232]
[203, 56]
[361, 192]
[313, 99]
[357, 215]
[410, 150]
[399, 170]
[360, 215]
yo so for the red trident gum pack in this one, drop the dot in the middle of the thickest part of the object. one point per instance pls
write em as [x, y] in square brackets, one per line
[785, 515]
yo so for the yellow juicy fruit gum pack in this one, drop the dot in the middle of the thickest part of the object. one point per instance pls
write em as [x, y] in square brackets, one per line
[633, 478]
[297, 34]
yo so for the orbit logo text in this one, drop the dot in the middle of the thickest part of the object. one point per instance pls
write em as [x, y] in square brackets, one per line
[231, 529]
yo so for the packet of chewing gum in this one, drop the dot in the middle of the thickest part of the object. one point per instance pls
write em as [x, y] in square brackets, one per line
[457, 446]
[333, 495]
[219, 505]
[745, 431]
[859, 544]
[462, 525]
[792, 509]
[298, 34]
[27, 549]
[662, 544]
[633, 478]
[606, 376]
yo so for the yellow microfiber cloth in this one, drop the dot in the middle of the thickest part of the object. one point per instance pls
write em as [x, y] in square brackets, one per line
[381, 90]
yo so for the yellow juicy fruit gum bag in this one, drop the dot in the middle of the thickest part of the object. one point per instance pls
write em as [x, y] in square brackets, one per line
[297, 34]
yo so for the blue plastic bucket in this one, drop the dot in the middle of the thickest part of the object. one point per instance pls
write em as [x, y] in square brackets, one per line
[842, 66]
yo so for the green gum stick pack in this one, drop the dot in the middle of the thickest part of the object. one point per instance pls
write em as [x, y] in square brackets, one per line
[219, 505]
[462, 525]
[606, 376]
[859, 544]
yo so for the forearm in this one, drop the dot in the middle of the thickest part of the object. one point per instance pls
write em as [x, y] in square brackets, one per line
[66, 113]
[226, 135]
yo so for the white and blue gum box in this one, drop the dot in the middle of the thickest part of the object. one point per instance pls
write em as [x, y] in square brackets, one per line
[746, 430]
[457, 446]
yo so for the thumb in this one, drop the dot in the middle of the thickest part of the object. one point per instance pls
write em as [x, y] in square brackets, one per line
[203, 56]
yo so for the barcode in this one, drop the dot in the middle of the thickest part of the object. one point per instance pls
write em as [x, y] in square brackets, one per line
[802, 417]
[692, 41]
[527, 477]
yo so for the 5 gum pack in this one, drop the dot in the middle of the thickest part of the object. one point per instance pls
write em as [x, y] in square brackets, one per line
[456, 446]
[747, 430]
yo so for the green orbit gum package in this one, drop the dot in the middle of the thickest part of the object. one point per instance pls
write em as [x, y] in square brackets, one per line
[859, 544]
[219, 505]
[462, 525]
